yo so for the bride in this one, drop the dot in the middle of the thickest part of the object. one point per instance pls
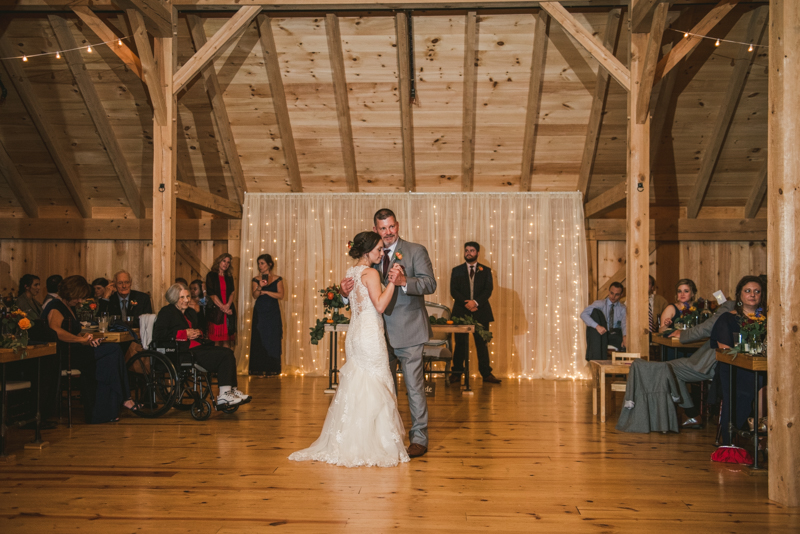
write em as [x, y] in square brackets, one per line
[363, 426]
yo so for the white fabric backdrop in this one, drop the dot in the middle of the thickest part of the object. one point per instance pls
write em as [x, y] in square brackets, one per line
[534, 243]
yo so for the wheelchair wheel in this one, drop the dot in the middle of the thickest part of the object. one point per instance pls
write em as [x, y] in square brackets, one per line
[230, 409]
[201, 410]
[154, 383]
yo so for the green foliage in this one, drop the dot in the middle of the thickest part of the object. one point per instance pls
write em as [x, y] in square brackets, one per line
[485, 334]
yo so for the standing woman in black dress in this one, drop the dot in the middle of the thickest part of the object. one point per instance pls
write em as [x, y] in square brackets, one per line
[220, 313]
[267, 335]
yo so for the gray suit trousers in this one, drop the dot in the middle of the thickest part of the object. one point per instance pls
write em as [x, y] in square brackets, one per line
[410, 360]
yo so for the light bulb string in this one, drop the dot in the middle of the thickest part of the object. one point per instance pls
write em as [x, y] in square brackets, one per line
[701, 36]
[118, 41]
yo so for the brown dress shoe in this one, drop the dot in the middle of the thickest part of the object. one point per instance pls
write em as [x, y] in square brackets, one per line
[455, 378]
[491, 379]
[415, 450]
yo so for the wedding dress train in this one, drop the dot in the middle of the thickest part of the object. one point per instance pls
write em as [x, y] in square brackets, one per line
[363, 426]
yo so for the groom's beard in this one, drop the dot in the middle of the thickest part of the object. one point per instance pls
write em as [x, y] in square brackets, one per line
[470, 259]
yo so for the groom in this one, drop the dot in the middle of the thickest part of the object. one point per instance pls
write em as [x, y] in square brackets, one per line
[408, 266]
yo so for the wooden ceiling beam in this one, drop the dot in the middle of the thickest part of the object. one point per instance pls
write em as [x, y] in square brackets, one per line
[686, 229]
[157, 14]
[469, 101]
[658, 122]
[758, 193]
[608, 200]
[97, 112]
[538, 59]
[404, 78]
[121, 229]
[104, 32]
[219, 110]
[208, 52]
[342, 98]
[642, 13]
[719, 132]
[610, 40]
[17, 184]
[279, 103]
[606, 59]
[46, 130]
[650, 61]
[148, 65]
[696, 34]
[206, 201]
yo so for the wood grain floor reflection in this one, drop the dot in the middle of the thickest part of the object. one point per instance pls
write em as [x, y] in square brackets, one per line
[520, 457]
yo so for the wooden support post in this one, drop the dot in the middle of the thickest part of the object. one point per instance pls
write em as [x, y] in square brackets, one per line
[469, 102]
[342, 100]
[98, 113]
[46, 130]
[534, 99]
[724, 119]
[219, 110]
[610, 40]
[404, 77]
[148, 64]
[17, 184]
[591, 256]
[165, 143]
[650, 61]
[638, 207]
[279, 102]
[783, 214]
[642, 16]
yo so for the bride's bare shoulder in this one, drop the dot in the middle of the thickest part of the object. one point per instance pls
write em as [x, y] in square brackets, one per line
[369, 273]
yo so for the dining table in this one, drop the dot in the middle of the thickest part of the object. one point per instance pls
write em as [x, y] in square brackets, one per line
[684, 349]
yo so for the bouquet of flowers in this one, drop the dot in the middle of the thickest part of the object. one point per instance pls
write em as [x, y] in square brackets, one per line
[691, 315]
[87, 310]
[15, 324]
[479, 329]
[333, 301]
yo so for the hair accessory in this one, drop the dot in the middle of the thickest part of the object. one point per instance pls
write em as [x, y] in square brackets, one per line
[349, 244]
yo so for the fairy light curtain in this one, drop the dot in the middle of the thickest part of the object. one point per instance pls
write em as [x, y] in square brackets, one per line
[534, 243]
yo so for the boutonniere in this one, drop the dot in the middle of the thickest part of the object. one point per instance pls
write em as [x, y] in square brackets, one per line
[398, 255]
[480, 268]
[134, 303]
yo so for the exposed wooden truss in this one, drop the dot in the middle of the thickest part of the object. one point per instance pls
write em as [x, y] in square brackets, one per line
[606, 59]
[686, 229]
[279, 102]
[539, 56]
[206, 201]
[148, 65]
[17, 184]
[609, 200]
[642, 14]
[756, 198]
[404, 78]
[621, 274]
[157, 14]
[104, 32]
[97, 112]
[192, 259]
[340, 93]
[469, 102]
[719, 132]
[610, 40]
[645, 86]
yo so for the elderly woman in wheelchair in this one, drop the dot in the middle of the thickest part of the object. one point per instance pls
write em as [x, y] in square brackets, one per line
[177, 322]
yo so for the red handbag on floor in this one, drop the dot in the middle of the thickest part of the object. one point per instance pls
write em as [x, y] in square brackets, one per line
[732, 455]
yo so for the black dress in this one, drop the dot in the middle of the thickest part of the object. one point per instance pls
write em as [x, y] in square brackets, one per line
[104, 378]
[267, 335]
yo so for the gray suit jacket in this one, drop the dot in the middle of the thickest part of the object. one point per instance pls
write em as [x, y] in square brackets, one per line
[704, 359]
[406, 318]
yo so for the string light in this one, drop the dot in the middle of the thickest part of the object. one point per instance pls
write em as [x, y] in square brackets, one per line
[89, 48]
[718, 41]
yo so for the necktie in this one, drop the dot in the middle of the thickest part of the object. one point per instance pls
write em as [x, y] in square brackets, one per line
[611, 318]
[472, 271]
[651, 315]
[386, 261]
[124, 307]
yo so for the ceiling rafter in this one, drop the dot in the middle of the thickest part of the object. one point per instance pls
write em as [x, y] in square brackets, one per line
[538, 59]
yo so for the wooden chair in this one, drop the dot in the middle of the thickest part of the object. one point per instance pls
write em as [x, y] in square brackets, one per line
[620, 385]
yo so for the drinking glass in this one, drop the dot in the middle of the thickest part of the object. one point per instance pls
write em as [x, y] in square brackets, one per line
[102, 320]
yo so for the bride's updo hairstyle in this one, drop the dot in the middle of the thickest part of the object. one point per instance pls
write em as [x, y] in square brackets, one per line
[363, 243]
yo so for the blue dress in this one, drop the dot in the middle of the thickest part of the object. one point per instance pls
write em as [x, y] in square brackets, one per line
[267, 337]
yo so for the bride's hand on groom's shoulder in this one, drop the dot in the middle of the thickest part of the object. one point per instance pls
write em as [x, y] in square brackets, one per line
[346, 286]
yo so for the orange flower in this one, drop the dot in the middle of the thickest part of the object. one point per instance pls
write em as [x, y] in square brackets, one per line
[449, 322]
[330, 321]
[19, 312]
[330, 295]
[24, 324]
[398, 255]
[92, 306]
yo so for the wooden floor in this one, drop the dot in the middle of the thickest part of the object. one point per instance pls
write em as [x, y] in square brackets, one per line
[520, 457]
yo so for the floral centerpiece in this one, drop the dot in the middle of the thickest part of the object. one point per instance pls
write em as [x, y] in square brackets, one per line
[753, 332]
[690, 316]
[333, 301]
[87, 310]
[15, 324]
[479, 329]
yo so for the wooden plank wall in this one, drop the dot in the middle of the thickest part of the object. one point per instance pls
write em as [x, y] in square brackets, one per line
[712, 265]
[94, 259]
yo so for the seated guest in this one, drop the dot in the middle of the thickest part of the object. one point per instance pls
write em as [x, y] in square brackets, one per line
[126, 302]
[750, 294]
[685, 291]
[605, 324]
[699, 366]
[182, 281]
[198, 301]
[101, 289]
[177, 321]
[657, 306]
[51, 284]
[104, 378]
[29, 286]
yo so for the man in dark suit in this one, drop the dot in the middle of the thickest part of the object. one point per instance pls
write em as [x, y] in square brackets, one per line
[126, 302]
[471, 286]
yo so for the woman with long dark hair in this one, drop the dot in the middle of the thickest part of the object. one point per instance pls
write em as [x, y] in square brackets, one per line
[29, 286]
[267, 335]
[220, 316]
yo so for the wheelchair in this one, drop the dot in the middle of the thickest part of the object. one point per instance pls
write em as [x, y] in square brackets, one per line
[162, 377]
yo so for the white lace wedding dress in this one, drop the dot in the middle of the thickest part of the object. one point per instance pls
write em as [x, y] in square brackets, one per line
[363, 426]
